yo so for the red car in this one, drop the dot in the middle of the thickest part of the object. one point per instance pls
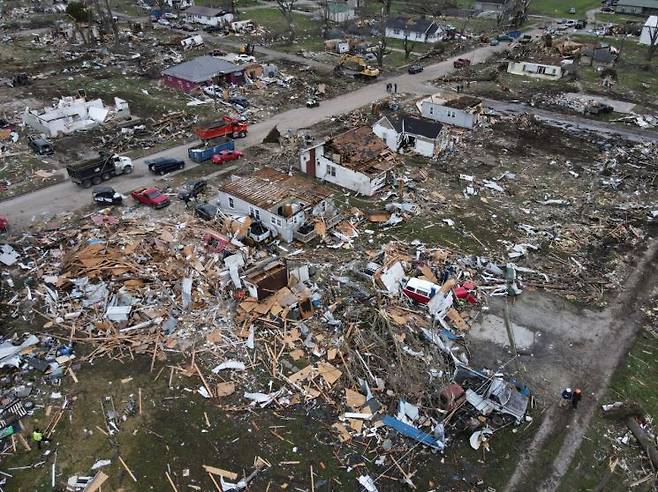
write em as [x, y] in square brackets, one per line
[151, 197]
[461, 62]
[226, 155]
[4, 223]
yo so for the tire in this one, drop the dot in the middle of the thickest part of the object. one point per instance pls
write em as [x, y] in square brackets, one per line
[235, 135]
[106, 176]
[181, 166]
[162, 173]
[96, 180]
[128, 170]
[86, 183]
[243, 134]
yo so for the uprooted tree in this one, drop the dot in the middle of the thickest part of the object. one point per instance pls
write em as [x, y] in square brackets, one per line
[286, 8]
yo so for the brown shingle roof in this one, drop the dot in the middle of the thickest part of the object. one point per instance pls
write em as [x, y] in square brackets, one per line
[268, 187]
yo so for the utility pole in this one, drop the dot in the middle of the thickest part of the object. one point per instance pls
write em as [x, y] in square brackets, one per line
[510, 275]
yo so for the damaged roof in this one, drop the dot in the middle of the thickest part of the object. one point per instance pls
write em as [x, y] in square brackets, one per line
[268, 187]
[204, 11]
[361, 150]
[202, 69]
[463, 102]
[410, 24]
[417, 126]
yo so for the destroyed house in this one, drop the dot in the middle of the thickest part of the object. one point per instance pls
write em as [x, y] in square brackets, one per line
[537, 70]
[421, 135]
[207, 16]
[202, 71]
[72, 114]
[462, 111]
[419, 29]
[289, 206]
[356, 160]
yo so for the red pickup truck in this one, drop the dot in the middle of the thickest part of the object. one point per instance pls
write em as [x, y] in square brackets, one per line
[151, 197]
[227, 127]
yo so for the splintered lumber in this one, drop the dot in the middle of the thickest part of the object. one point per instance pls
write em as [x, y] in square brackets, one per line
[221, 473]
[171, 482]
[96, 482]
[127, 469]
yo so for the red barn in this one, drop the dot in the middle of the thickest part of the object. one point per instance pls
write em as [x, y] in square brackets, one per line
[201, 71]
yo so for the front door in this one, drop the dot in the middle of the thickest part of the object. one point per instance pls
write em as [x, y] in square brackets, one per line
[310, 164]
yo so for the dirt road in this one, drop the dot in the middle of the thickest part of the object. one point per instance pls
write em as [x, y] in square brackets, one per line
[612, 333]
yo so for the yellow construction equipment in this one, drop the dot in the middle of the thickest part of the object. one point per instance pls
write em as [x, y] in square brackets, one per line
[356, 66]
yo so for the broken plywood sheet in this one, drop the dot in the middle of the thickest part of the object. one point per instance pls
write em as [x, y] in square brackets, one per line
[354, 399]
[390, 278]
[329, 373]
[457, 320]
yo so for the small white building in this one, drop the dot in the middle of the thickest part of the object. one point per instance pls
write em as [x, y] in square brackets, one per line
[207, 16]
[536, 70]
[421, 135]
[71, 114]
[356, 160]
[420, 30]
[287, 205]
[489, 5]
[649, 33]
[461, 111]
[340, 12]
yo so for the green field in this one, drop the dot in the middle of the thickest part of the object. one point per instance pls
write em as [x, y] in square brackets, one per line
[560, 8]
[274, 21]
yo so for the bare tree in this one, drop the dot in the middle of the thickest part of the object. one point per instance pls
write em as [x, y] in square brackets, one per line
[383, 19]
[324, 11]
[79, 14]
[408, 45]
[286, 8]
[653, 41]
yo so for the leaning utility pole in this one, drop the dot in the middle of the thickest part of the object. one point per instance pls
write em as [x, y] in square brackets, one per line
[510, 275]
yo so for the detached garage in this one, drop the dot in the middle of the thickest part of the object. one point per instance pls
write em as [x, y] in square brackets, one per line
[201, 71]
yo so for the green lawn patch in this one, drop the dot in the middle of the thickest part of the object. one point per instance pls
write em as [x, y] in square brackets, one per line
[560, 8]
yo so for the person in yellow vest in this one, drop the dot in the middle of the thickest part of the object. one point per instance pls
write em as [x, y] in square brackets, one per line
[38, 437]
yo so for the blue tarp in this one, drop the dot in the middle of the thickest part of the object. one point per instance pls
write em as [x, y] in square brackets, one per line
[413, 432]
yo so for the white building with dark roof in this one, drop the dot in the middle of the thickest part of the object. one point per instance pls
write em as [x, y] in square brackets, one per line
[420, 30]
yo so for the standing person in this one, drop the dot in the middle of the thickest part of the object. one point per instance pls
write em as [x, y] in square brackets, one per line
[577, 396]
[38, 437]
[395, 87]
[566, 397]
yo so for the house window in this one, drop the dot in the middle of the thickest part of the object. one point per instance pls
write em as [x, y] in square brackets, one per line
[396, 31]
[431, 110]
[254, 212]
[230, 202]
[541, 69]
[331, 170]
[276, 221]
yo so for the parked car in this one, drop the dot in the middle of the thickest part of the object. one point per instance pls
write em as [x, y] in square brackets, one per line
[525, 39]
[164, 165]
[415, 68]
[40, 145]
[4, 223]
[504, 37]
[242, 58]
[370, 57]
[312, 102]
[461, 62]
[580, 24]
[105, 195]
[150, 196]
[192, 189]
[213, 90]
[217, 52]
[500, 396]
[225, 156]
[572, 10]
[170, 15]
[164, 22]
[494, 42]
[239, 100]
[206, 211]
[188, 28]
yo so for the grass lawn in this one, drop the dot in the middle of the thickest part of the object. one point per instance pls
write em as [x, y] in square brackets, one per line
[128, 7]
[636, 381]
[560, 8]
[633, 72]
[618, 18]
[274, 21]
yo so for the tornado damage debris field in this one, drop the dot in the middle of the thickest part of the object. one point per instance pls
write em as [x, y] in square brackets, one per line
[312, 245]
